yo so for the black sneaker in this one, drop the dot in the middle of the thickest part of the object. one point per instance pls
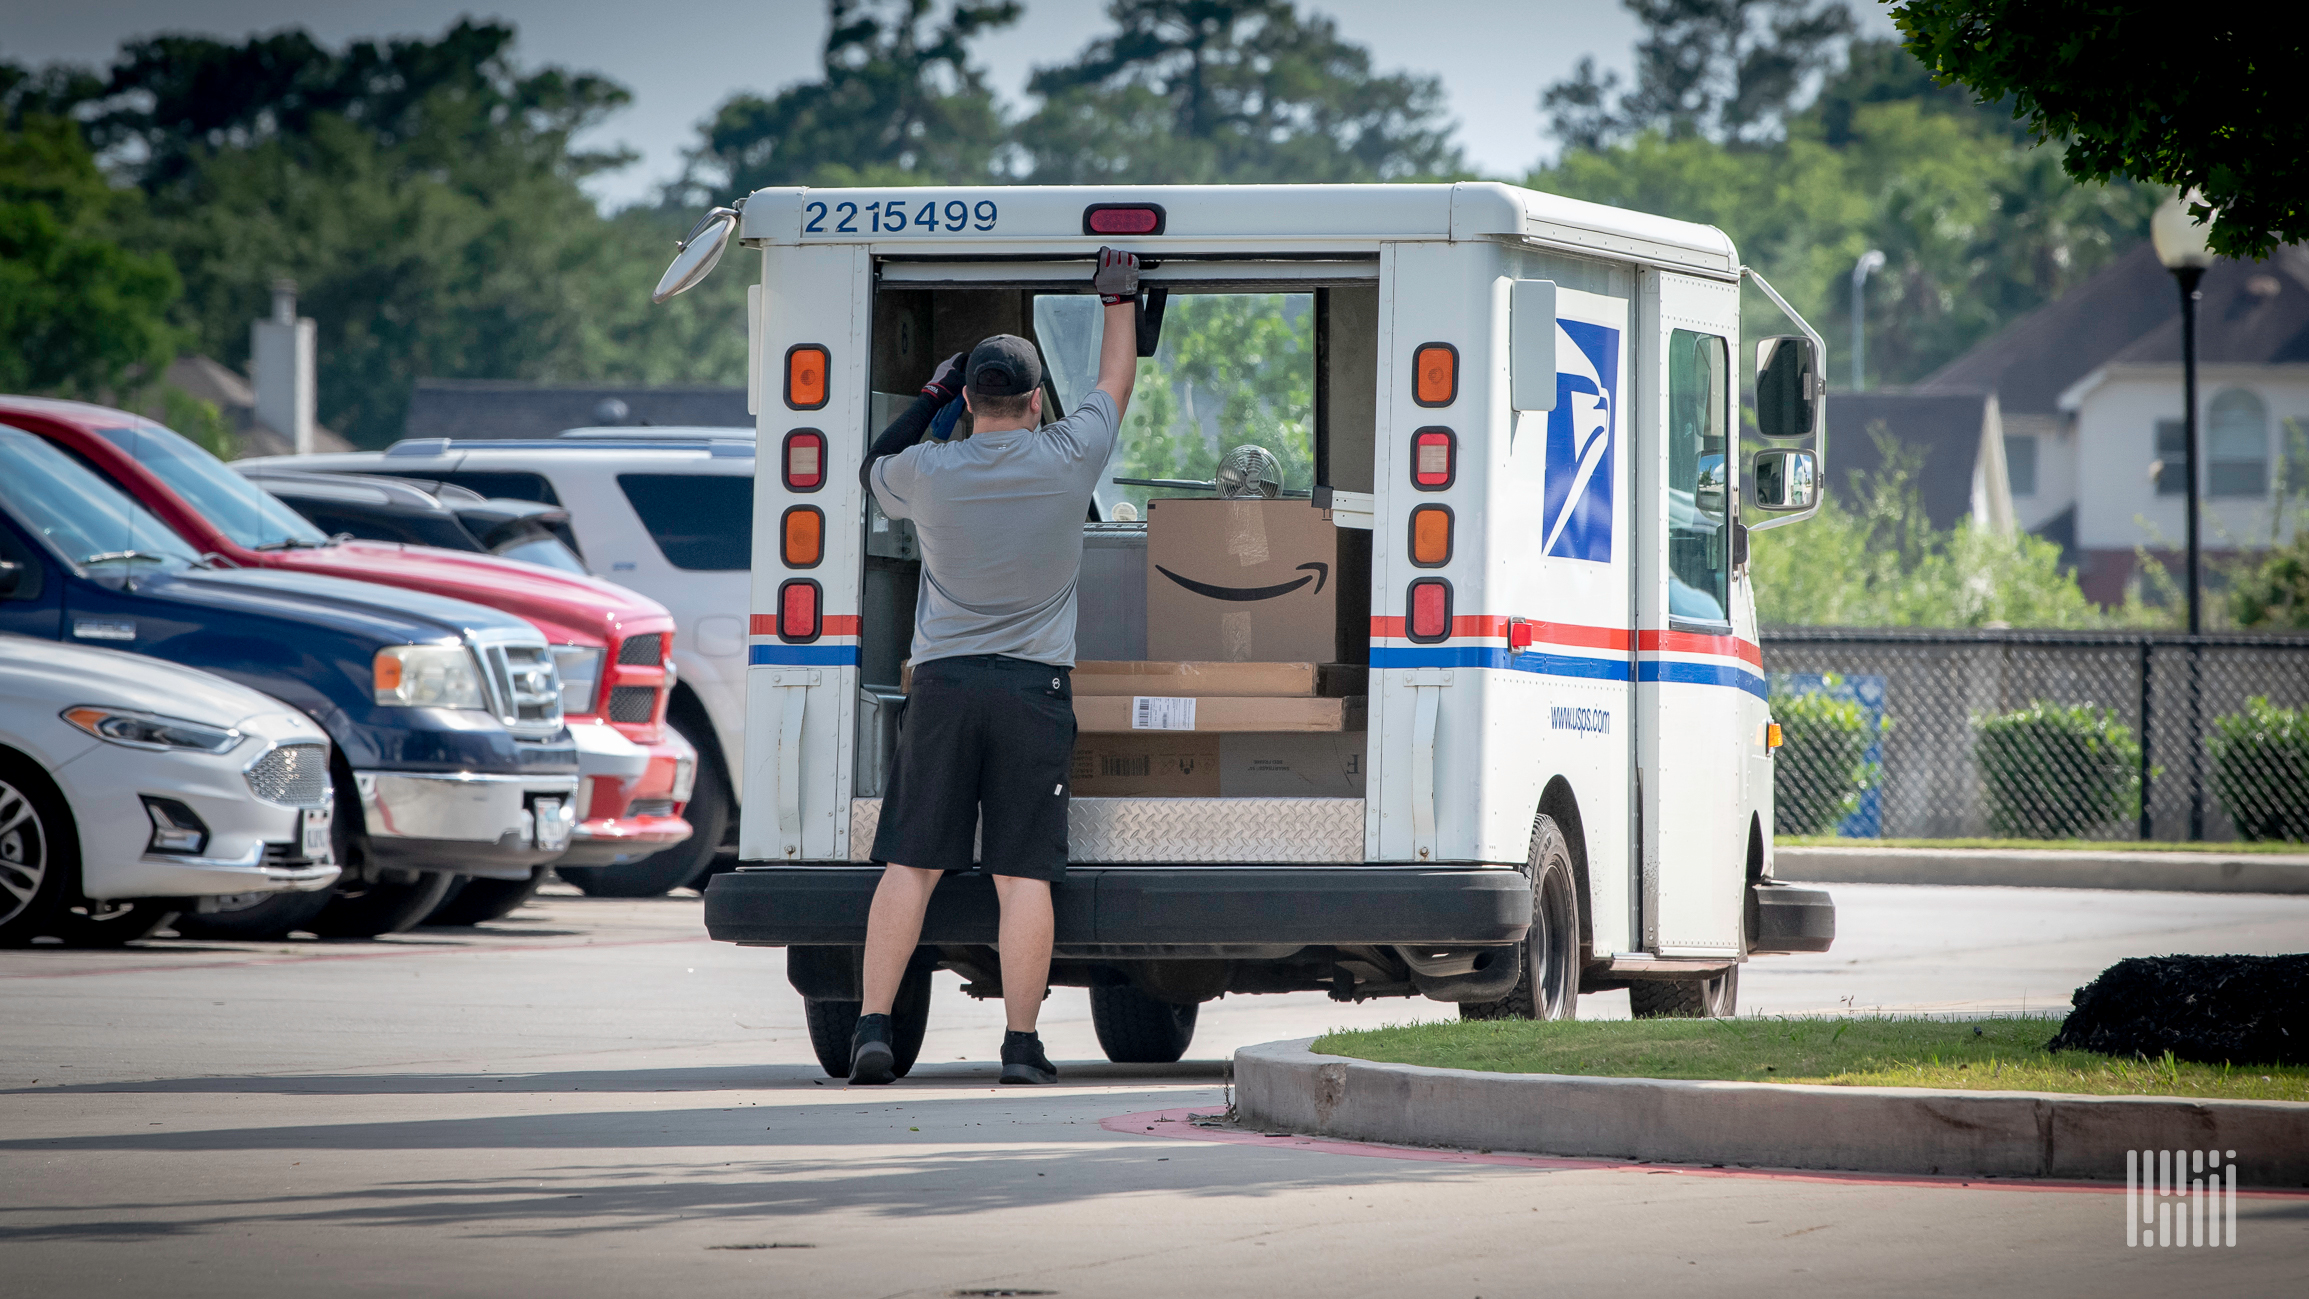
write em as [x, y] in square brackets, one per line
[872, 1059]
[1023, 1060]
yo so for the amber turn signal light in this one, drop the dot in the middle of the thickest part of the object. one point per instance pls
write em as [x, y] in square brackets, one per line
[803, 536]
[1772, 735]
[806, 366]
[1431, 536]
[1435, 374]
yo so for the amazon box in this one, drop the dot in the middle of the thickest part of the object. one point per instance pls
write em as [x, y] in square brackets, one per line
[1146, 764]
[1242, 581]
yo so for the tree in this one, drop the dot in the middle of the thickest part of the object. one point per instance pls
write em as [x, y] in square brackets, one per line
[1729, 70]
[900, 103]
[1231, 91]
[2201, 103]
[82, 315]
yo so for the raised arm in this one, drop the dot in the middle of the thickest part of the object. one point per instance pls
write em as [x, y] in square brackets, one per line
[1117, 283]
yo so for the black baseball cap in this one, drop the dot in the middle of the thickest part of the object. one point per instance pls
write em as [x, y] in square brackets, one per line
[1004, 366]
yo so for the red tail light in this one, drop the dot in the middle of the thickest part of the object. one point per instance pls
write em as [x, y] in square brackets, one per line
[805, 460]
[1434, 459]
[1430, 618]
[1122, 219]
[798, 615]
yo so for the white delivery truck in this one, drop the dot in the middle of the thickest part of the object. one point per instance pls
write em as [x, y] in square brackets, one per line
[1529, 752]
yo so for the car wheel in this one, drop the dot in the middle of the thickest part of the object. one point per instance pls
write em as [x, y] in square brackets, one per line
[40, 872]
[832, 1024]
[1134, 1028]
[708, 814]
[1549, 985]
[476, 901]
[255, 917]
[1716, 996]
[371, 908]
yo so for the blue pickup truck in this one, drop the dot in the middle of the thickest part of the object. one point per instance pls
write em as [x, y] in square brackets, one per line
[451, 757]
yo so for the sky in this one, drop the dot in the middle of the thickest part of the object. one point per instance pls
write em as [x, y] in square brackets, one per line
[682, 60]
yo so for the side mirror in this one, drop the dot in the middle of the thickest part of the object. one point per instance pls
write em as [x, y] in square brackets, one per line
[1788, 387]
[1781, 479]
[698, 253]
[11, 573]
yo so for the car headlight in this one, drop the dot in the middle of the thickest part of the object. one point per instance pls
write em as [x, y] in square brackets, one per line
[150, 730]
[580, 668]
[427, 676]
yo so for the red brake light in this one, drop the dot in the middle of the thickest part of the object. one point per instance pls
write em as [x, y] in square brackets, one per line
[805, 460]
[1434, 459]
[1430, 609]
[1123, 219]
[798, 611]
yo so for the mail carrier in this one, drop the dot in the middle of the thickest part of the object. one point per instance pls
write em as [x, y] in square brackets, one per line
[1417, 654]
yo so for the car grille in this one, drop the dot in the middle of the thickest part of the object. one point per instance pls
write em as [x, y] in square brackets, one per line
[632, 703]
[646, 650]
[650, 807]
[296, 775]
[526, 687]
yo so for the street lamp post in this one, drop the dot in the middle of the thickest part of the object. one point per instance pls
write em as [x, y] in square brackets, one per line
[1870, 262]
[2181, 245]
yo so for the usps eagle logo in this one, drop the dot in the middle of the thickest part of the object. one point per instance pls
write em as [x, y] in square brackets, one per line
[1582, 436]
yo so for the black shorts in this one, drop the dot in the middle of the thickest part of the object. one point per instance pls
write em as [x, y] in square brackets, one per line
[982, 738]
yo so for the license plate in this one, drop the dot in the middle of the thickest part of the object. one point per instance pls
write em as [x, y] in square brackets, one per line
[553, 824]
[313, 833]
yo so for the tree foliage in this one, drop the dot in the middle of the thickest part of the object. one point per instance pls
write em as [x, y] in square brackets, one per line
[1727, 70]
[2204, 103]
[1233, 368]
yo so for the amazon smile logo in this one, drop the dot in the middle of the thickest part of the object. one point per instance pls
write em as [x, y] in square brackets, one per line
[1321, 574]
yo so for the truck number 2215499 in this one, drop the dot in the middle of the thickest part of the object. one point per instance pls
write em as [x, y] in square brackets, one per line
[891, 216]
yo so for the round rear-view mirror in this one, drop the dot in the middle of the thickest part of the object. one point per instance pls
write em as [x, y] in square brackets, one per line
[698, 255]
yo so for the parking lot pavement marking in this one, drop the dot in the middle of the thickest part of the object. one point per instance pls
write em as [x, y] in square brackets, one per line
[1195, 1125]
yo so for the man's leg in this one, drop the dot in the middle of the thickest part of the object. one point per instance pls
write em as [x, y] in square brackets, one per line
[1025, 947]
[894, 929]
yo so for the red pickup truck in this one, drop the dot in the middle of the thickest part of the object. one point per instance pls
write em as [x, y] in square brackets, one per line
[613, 647]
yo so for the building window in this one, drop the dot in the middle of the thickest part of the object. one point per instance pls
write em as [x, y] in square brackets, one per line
[2020, 463]
[2237, 446]
[2172, 457]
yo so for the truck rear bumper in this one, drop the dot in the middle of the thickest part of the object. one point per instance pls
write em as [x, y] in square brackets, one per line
[778, 906]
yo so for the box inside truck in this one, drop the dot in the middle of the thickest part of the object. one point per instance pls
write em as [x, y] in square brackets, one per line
[1221, 640]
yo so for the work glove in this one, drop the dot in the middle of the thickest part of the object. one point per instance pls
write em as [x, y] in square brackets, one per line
[946, 381]
[1117, 276]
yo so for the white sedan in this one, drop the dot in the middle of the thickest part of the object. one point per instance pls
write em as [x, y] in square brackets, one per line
[132, 789]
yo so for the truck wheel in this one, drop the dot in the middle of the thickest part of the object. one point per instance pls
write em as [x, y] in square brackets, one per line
[708, 814]
[833, 1022]
[1134, 1028]
[262, 919]
[1715, 997]
[40, 871]
[1549, 985]
[366, 909]
[478, 900]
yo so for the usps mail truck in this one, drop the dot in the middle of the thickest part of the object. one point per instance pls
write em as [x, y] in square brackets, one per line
[1504, 448]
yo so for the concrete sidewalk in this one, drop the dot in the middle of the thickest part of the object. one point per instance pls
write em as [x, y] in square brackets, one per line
[2047, 868]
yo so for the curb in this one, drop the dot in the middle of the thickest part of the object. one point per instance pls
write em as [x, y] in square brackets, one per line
[1767, 1125]
[2048, 868]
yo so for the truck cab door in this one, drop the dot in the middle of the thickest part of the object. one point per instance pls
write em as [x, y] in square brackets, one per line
[1696, 681]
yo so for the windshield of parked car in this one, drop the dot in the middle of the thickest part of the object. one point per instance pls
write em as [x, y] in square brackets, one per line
[237, 507]
[89, 521]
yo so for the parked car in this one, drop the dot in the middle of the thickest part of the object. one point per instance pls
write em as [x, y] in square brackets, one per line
[666, 512]
[450, 753]
[131, 789]
[416, 513]
[612, 647]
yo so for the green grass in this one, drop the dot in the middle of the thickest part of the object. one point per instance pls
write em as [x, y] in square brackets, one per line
[1995, 1054]
[2071, 845]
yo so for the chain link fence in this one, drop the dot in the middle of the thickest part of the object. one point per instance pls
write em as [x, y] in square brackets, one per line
[2040, 735]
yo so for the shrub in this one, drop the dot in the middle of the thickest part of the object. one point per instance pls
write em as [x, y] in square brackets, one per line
[2057, 772]
[2261, 769]
[1822, 767]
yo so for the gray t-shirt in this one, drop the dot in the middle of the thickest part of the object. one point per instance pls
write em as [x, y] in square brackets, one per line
[1000, 520]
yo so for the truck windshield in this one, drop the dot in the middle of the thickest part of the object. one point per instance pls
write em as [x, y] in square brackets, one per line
[1233, 369]
[1699, 567]
[238, 508]
[87, 519]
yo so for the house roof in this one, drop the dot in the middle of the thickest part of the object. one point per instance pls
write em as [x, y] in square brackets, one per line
[1944, 426]
[2129, 311]
[227, 389]
[493, 408]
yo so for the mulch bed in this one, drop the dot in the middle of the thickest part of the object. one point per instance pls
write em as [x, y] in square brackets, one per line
[2240, 1009]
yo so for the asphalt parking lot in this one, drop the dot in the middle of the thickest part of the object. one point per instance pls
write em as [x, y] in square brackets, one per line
[591, 1098]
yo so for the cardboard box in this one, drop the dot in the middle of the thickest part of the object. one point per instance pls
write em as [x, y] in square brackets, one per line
[1146, 764]
[1242, 581]
[1214, 680]
[1292, 766]
[1110, 714]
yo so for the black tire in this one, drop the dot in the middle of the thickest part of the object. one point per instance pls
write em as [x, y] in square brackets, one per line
[365, 909]
[1715, 997]
[1134, 1028]
[40, 871]
[832, 1024]
[708, 814]
[478, 901]
[1548, 988]
[269, 918]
